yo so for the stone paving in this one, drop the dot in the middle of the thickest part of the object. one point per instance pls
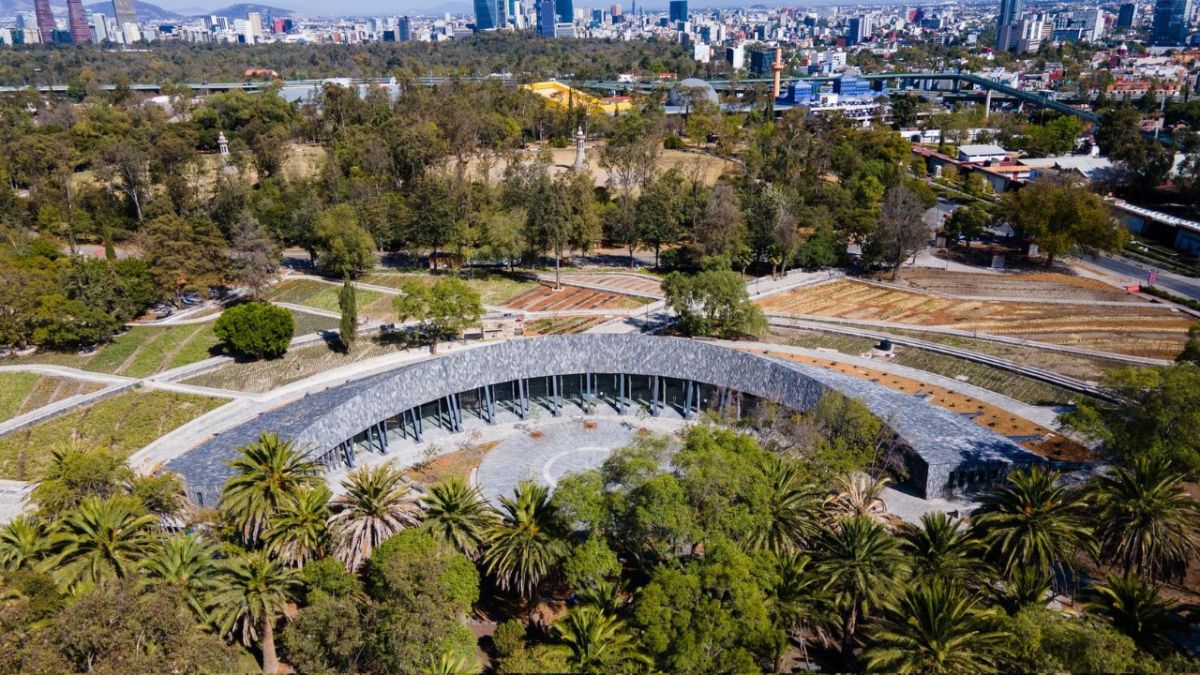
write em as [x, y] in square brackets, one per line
[546, 452]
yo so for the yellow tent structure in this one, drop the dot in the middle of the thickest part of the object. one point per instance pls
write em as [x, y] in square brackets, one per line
[561, 95]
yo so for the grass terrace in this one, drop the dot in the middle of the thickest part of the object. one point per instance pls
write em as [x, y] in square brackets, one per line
[23, 392]
[123, 423]
[494, 287]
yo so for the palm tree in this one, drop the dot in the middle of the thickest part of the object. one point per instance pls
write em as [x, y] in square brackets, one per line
[1025, 587]
[1031, 522]
[251, 594]
[794, 509]
[298, 531]
[102, 539]
[942, 549]
[377, 504]
[521, 549]
[599, 642]
[935, 628]
[858, 495]
[801, 601]
[22, 543]
[862, 564]
[267, 472]
[453, 664]
[186, 563]
[1135, 608]
[457, 514]
[1146, 523]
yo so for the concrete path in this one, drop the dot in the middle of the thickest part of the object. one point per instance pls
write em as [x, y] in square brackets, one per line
[1056, 379]
[14, 496]
[1044, 415]
[68, 372]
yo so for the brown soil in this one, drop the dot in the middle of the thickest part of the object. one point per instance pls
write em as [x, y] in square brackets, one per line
[458, 463]
[568, 298]
[1026, 286]
[1138, 329]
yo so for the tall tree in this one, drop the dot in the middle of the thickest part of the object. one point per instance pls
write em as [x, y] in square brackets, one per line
[523, 549]
[1061, 218]
[942, 549]
[254, 254]
[1031, 522]
[252, 594]
[901, 231]
[863, 565]
[1146, 522]
[935, 628]
[376, 504]
[456, 512]
[101, 540]
[297, 532]
[599, 642]
[348, 303]
[1135, 608]
[187, 565]
[267, 472]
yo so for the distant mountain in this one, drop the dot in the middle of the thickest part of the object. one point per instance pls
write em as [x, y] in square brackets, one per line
[145, 10]
[240, 10]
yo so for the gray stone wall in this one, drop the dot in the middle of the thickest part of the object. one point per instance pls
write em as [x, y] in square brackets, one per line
[942, 442]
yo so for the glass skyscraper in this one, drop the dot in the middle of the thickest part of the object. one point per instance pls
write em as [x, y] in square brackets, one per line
[490, 14]
[1171, 22]
[1010, 13]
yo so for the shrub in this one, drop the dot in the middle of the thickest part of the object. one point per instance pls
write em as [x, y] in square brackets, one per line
[673, 143]
[256, 329]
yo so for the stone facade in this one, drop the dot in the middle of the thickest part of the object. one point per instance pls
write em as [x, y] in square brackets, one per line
[947, 453]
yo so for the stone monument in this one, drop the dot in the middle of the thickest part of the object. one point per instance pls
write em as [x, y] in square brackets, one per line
[581, 163]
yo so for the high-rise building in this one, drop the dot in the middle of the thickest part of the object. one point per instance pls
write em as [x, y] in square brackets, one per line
[860, 30]
[545, 18]
[1127, 15]
[404, 29]
[45, 20]
[678, 11]
[81, 33]
[615, 10]
[124, 12]
[565, 9]
[1006, 34]
[1171, 22]
[491, 14]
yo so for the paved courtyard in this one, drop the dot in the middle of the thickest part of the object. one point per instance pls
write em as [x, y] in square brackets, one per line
[545, 452]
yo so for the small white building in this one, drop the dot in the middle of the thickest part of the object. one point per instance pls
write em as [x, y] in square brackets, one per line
[981, 153]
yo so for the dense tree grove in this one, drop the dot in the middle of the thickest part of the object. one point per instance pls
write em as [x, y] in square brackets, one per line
[713, 551]
[458, 173]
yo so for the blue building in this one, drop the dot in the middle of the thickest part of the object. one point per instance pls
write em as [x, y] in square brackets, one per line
[1127, 15]
[490, 14]
[860, 30]
[565, 10]
[852, 87]
[1010, 13]
[801, 92]
[1171, 22]
[678, 11]
[404, 29]
[546, 18]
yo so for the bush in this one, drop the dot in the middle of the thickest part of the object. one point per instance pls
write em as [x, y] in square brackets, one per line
[673, 143]
[256, 329]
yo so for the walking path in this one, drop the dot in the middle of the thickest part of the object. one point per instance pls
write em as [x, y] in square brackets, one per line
[989, 337]
[994, 361]
[1046, 416]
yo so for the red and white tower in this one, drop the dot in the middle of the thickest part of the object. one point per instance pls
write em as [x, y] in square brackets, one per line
[81, 33]
[45, 19]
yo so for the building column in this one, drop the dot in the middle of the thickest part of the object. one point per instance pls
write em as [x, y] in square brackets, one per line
[687, 400]
[489, 396]
[416, 423]
[348, 453]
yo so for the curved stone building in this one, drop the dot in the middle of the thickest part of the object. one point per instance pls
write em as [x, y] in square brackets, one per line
[946, 453]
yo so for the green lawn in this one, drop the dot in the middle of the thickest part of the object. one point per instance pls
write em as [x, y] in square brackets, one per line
[494, 287]
[139, 351]
[142, 351]
[14, 388]
[316, 294]
[124, 423]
